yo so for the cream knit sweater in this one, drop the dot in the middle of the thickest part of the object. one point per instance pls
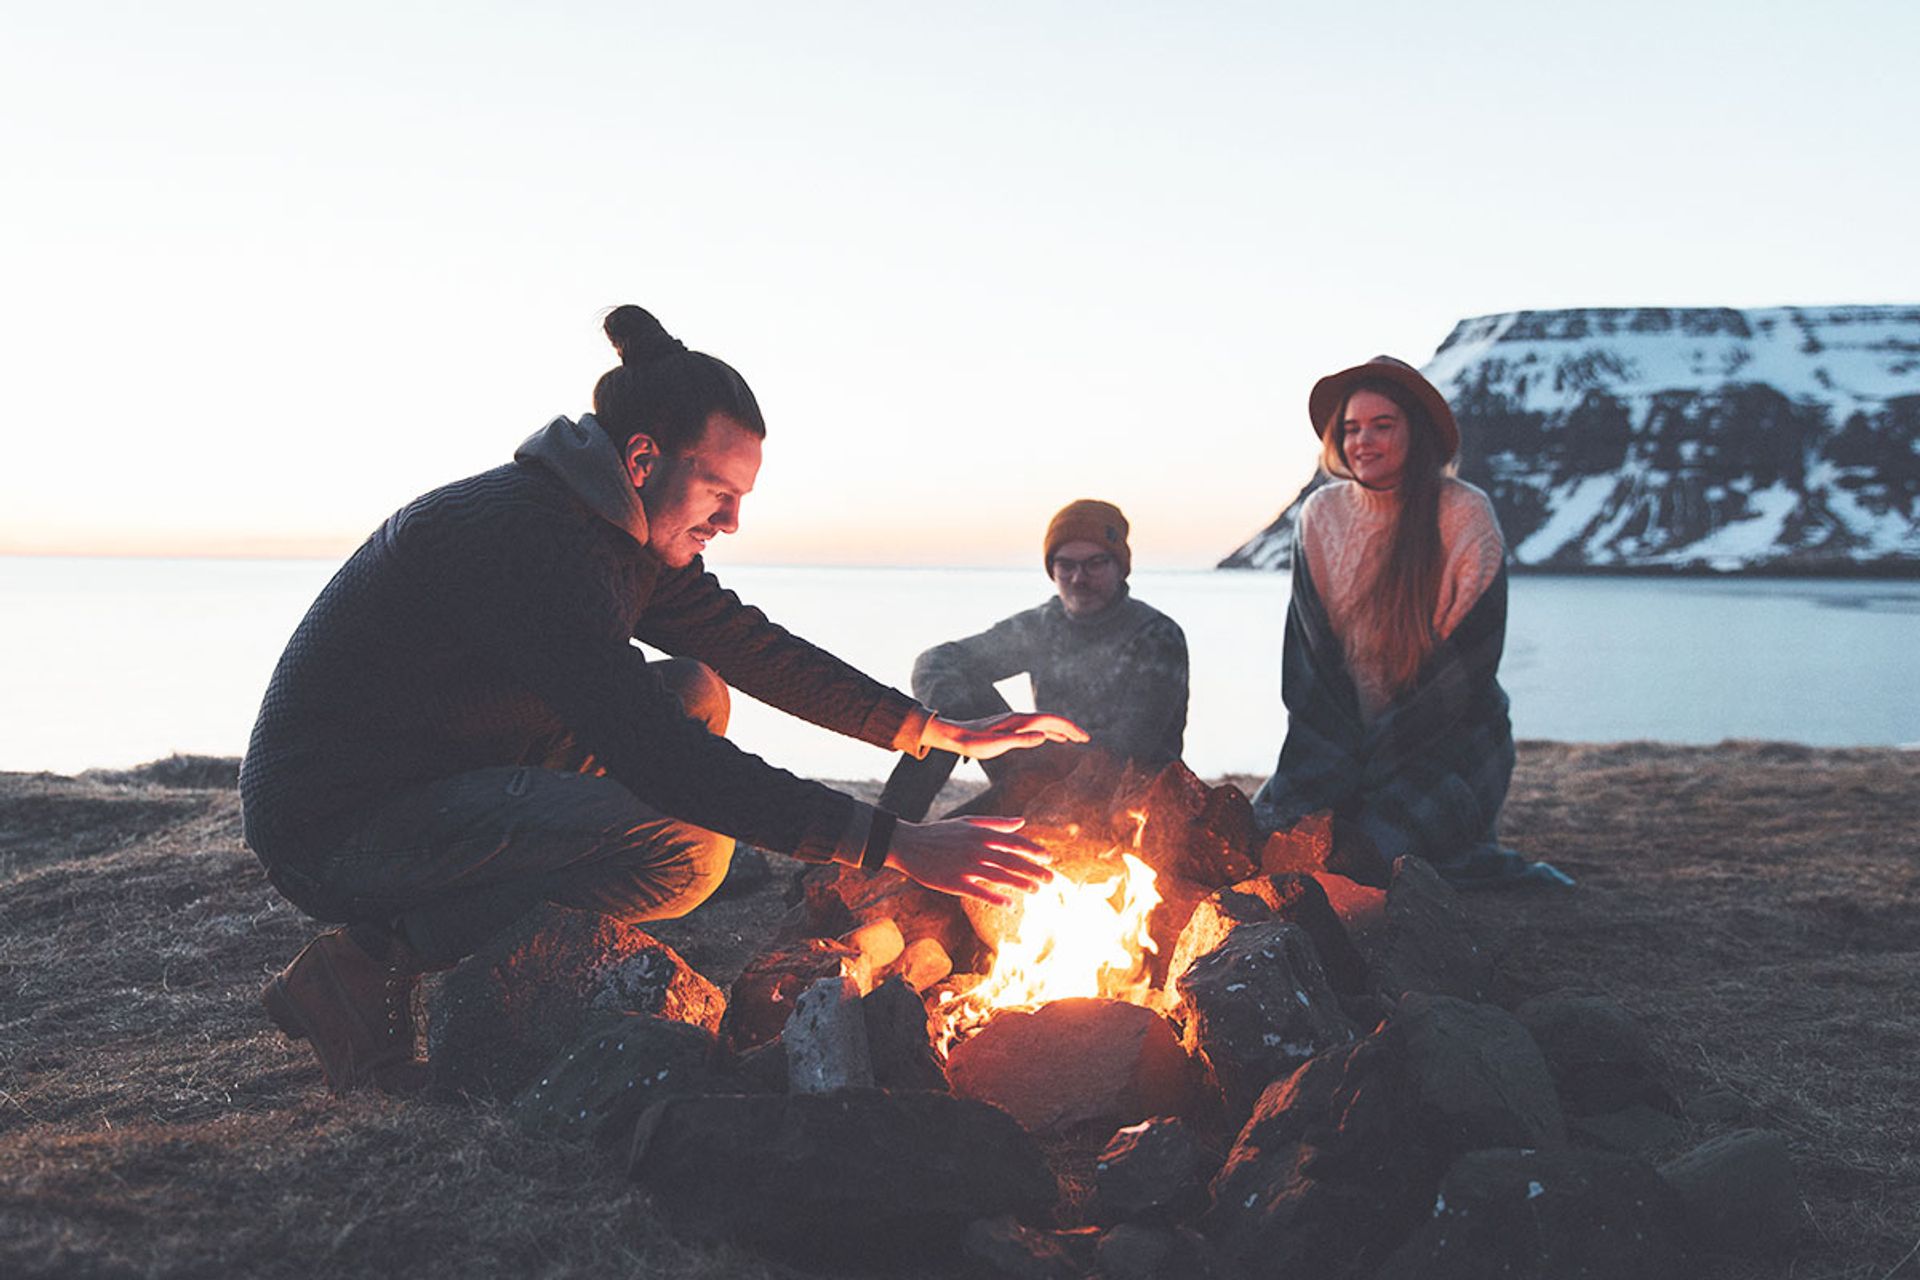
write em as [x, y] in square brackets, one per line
[1343, 528]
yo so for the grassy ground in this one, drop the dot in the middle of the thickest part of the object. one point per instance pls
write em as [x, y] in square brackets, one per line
[1757, 905]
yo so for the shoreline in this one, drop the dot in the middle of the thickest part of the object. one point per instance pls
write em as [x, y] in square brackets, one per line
[1885, 568]
[207, 772]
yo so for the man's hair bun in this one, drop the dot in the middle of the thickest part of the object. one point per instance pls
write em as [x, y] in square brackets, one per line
[639, 338]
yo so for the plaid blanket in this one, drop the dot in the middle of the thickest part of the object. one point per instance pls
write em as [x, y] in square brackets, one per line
[1429, 775]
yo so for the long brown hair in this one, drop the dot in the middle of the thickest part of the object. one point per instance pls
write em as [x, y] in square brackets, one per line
[1394, 627]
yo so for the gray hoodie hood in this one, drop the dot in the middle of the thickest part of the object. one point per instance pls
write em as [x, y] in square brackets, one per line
[585, 459]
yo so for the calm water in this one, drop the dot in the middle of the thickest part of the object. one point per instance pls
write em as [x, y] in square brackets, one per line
[112, 662]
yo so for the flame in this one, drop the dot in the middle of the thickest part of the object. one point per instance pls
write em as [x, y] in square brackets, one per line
[1074, 939]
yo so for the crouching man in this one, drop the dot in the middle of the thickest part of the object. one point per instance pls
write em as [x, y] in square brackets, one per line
[461, 728]
[1097, 656]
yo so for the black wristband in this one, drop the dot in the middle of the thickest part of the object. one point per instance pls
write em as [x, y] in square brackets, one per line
[873, 859]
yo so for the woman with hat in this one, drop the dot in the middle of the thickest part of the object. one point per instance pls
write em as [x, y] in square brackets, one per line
[1396, 720]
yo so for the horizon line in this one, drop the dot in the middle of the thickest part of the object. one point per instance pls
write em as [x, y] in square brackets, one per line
[336, 558]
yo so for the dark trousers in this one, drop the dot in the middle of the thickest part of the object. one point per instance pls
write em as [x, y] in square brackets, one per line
[449, 864]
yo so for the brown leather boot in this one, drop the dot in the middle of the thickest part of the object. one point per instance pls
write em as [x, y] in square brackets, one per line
[354, 1009]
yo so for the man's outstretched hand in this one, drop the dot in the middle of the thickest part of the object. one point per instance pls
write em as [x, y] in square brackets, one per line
[981, 858]
[996, 735]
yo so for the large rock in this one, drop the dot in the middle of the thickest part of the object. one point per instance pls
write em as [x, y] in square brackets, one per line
[502, 1015]
[1428, 944]
[1076, 1062]
[765, 992]
[861, 1177]
[1341, 1160]
[826, 1039]
[1210, 924]
[1007, 1249]
[1482, 1081]
[1140, 1251]
[1545, 1214]
[598, 1087]
[1199, 833]
[1361, 909]
[1600, 1058]
[1257, 1007]
[899, 1039]
[1302, 900]
[1635, 1130]
[1154, 1170]
[1321, 844]
[1329, 1174]
[1738, 1192]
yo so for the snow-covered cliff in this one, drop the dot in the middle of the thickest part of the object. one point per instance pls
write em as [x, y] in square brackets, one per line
[1782, 440]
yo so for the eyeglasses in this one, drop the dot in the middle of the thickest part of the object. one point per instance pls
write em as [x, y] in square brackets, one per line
[1063, 567]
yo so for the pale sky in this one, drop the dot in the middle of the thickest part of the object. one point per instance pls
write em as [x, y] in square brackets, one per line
[268, 271]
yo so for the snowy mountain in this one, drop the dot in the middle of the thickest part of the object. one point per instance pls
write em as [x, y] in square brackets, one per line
[1784, 440]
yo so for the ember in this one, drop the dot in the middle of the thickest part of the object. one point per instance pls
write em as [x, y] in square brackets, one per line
[1073, 938]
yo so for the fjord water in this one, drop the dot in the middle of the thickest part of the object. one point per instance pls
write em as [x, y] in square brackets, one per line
[107, 663]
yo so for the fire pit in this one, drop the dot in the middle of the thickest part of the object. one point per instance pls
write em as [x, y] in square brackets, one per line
[1065, 1009]
[1083, 934]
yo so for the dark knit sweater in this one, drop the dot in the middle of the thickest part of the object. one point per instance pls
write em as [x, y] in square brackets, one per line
[1121, 674]
[487, 623]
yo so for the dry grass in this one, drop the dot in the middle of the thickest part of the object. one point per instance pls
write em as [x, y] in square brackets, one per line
[1754, 904]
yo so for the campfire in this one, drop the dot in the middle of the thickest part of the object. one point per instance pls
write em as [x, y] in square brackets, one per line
[1079, 935]
[1077, 1002]
[888, 1069]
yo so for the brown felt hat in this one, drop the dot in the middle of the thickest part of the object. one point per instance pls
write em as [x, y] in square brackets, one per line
[1089, 520]
[1331, 392]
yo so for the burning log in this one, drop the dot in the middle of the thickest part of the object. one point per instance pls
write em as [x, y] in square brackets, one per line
[1082, 934]
[922, 965]
[838, 900]
[879, 942]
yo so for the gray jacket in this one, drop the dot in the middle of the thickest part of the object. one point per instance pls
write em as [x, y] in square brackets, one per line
[1121, 675]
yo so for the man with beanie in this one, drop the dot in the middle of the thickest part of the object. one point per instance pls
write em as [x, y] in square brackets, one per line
[1112, 664]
